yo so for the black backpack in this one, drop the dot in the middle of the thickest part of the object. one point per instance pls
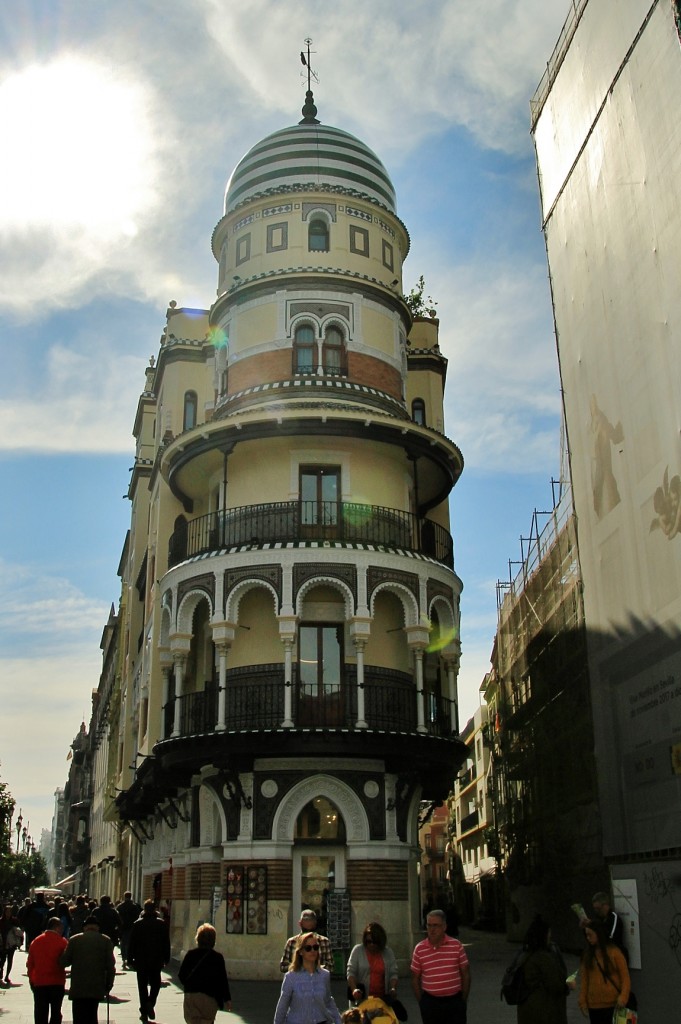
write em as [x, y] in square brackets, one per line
[513, 985]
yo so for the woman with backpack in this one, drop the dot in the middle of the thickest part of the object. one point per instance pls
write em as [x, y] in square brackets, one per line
[544, 975]
[604, 976]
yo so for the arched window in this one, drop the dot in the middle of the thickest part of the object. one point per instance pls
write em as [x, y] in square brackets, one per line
[304, 347]
[333, 353]
[418, 411]
[318, 235]
[191, 404]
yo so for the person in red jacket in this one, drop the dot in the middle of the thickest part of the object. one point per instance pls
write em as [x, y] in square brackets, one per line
[46, 977]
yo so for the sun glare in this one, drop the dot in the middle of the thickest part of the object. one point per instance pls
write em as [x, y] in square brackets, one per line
[78, 149]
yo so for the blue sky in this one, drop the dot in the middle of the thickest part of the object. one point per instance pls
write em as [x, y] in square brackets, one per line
[121, 124]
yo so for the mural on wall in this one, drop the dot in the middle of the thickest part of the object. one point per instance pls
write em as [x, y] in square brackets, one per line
[667, 505]
[604, 435]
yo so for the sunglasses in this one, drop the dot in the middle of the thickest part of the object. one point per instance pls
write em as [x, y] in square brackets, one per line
[310, 949]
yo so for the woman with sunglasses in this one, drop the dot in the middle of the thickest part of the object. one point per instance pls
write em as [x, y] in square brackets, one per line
[372, 967]
[306, 990]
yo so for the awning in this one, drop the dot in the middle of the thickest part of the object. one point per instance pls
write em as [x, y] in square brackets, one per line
[65, 881]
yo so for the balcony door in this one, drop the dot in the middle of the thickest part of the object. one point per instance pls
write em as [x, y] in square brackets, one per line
[319, 502]
[320, 674]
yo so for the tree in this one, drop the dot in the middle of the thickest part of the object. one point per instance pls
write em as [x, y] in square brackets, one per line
[19, 871]
[420, 304]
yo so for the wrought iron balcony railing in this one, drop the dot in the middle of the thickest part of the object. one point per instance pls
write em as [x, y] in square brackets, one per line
[255, 700]
[291, 521]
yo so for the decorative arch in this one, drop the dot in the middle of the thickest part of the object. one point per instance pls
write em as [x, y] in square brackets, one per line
[240, 590]
[331, 581]
[404, 596]
[449, 620]
[190, 602]
[340, 794]
[166, 625]
[212, 817]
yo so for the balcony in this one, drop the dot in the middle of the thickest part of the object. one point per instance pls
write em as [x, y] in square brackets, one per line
[470, 822]
[410, 732]
[255, 702]
[294, 521]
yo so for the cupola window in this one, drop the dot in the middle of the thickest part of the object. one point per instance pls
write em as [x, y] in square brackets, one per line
[333, 353]
[191, 404]
[318, 235]
[304, 347]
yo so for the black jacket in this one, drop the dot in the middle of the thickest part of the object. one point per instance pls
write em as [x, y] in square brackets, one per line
[203, 970]
[149, 946]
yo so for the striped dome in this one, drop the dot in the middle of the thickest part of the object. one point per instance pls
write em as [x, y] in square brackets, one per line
[310, 154]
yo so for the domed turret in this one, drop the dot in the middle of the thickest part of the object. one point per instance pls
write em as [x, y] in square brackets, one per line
[310, 154]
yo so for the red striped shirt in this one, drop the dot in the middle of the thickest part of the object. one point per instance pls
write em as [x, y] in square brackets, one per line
[439, 967]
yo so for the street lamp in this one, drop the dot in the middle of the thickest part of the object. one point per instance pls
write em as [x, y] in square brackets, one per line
[24, 836]
[18, 828]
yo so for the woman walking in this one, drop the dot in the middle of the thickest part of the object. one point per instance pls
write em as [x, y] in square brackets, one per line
[372, 967]
[306, 990]
[11, 938]
[203, 976]
[545, 977]
[604, 976]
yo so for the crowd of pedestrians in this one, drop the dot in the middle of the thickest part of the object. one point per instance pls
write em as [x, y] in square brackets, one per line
[81, 935]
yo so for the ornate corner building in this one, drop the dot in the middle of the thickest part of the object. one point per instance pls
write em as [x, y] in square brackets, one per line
[291, 612]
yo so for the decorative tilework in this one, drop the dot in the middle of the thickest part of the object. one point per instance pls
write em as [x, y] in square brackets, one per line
[352, 211]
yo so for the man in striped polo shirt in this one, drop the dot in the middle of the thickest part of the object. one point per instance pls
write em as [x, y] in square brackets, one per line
[440, 974]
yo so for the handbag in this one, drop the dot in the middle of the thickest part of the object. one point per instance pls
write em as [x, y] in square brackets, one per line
[632, 1001]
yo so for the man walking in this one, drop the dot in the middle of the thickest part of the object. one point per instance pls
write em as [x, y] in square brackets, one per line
[128, 911]
[440, 974]
[148, 952]
[307, 923]
[90, 956]
[46, 976]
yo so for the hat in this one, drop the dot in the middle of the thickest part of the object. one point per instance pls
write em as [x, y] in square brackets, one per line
[308, 913]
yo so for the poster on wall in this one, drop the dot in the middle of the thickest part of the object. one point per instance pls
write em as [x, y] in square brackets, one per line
[256, 900]
[235, 900]
[625, 899]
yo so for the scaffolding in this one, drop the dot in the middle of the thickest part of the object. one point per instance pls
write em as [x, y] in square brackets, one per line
[542, 741]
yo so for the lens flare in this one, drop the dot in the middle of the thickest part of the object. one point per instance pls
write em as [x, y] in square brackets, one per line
[441, 638]
[218, 338]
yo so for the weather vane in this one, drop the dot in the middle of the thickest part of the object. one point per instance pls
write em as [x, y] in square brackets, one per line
[309, 110]
[305, 61]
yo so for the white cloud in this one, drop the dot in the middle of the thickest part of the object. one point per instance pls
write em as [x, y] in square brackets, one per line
[52, 662]
[49, 608]
[502, 400]
[85, 403]
[384, 65]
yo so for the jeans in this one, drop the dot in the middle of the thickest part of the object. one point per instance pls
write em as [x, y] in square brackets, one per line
[47, 1000]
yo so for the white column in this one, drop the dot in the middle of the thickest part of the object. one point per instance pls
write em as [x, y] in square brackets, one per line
[361, 723]
[179, 662]
[420, 696]
[451, 666]
[222, 690]
[288, 685]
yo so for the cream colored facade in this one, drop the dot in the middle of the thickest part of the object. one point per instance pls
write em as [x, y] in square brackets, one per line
[607, 131]
[290, 622]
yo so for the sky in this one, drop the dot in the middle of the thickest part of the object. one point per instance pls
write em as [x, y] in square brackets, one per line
[121, 124]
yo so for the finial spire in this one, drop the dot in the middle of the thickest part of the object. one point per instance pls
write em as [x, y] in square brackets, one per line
[309, 110]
